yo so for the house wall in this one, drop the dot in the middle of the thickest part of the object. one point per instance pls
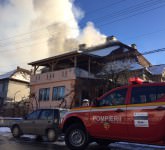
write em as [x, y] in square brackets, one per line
[87, 88]
[3, 90]
[142, 60]
[69, 94]
[64, 77]
[157, 78]
[17, 90]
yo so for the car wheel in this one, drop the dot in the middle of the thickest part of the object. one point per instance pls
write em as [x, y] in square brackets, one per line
[76, 137]
[51, 135]
[16, 131]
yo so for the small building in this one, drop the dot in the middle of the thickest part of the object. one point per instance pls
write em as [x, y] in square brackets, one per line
[66, 79]
[14, 85]
[157, 72]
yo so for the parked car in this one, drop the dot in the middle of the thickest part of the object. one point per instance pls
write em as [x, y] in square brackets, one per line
[133, 113]
[41, 122]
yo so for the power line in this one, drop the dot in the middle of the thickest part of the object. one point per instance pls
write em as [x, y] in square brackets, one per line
[130, 16]
[125, 10]
[103, 24]
[43, 28]
[146, 34]
[143, 53]
[88, 13]
[154, 51]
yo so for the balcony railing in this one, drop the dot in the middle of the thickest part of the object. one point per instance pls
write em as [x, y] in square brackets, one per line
[60, 75]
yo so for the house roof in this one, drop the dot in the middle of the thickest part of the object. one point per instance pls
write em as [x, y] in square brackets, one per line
[157, 69]
[7, 75]
[16, 74]
[101, 50]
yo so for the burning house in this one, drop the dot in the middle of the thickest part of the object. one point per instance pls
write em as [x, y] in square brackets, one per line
[65, 80]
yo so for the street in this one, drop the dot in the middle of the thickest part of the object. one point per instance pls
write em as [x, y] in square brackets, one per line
[27, 143]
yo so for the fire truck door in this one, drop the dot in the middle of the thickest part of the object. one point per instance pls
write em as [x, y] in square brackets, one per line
[109, 117]
[146, 113]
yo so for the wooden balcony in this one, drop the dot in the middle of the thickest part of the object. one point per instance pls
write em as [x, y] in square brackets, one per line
[60, 75]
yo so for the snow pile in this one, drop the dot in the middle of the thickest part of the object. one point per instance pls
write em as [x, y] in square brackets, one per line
[4, 130]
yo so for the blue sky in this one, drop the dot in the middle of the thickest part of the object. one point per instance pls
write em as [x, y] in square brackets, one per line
[146, 29]
[132, 21]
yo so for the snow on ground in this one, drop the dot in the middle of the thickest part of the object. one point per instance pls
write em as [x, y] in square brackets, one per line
[136, 146]
[4, 130]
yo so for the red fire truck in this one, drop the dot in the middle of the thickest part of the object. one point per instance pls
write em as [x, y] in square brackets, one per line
[133, 113]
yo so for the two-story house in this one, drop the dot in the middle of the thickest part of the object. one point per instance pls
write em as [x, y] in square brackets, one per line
[67, 79]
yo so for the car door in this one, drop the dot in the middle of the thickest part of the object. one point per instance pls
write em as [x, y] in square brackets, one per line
[28, 124]
[45, 121]
[108, 119]
[146, 113]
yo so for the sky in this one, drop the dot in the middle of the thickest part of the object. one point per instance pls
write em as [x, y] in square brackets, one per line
[35, 29]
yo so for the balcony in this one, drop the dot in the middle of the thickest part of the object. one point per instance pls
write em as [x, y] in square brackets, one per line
[60, 75]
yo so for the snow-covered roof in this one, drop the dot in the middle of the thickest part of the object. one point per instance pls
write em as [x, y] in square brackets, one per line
[7, 75]
[104, 51]
[120, 65]
[156, 69]
[17, 74]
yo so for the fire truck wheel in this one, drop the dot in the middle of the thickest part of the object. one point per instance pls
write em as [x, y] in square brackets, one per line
[76, 137]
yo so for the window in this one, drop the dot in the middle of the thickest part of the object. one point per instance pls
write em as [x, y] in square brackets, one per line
[115, 98]
[34, 115]
[47, 115]
[44, 94]
[58, 93]
[147, 94]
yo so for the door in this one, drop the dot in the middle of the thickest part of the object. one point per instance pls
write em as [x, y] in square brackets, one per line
[28, 124]
[109, 117]
[146, 112]
[46, 120]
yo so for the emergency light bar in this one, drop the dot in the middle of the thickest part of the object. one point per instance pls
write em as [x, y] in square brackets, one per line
[135, 80]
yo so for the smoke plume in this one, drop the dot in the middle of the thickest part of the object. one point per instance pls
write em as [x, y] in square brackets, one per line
[51, 28]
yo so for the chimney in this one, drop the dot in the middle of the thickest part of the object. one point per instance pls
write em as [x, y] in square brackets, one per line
[111, 38]
[133, 46]
[81, 48]
[18, 67]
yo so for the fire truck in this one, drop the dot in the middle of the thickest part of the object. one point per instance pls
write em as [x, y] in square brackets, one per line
[132, 113]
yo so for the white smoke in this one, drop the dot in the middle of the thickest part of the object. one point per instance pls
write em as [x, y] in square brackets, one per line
[91, 36]
[51, 27]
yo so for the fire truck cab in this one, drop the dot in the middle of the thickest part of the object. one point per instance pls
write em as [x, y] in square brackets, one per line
[133, 113]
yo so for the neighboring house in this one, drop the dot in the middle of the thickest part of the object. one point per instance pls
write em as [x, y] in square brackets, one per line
[14, 85]
[157, 72]
[69, 78]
